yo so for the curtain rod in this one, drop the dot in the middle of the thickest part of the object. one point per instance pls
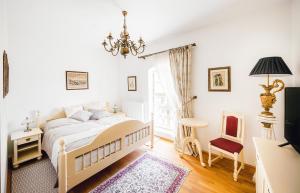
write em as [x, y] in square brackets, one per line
[148, 55]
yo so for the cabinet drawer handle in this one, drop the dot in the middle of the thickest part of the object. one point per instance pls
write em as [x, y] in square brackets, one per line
[28, 139]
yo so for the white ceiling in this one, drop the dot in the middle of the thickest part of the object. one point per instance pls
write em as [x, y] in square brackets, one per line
[154, 19]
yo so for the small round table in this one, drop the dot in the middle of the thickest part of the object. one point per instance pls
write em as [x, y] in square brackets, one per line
[193, 123]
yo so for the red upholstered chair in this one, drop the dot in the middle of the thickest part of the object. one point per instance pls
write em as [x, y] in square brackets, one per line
[231, 141]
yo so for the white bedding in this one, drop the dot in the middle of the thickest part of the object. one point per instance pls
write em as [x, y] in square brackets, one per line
[75, 135]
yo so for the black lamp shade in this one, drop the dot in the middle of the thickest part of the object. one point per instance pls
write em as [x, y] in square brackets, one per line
[270, 65]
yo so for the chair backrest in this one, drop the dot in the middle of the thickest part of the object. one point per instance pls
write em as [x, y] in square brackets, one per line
[233, 126]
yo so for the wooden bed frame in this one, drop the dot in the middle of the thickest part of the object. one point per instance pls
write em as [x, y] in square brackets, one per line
[113, 144]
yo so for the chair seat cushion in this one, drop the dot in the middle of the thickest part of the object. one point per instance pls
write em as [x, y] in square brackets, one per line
[227, 145]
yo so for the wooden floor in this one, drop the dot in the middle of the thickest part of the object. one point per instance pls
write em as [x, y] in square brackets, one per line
[217, 179]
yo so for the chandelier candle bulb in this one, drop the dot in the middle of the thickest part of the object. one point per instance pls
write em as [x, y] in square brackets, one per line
[124, 45]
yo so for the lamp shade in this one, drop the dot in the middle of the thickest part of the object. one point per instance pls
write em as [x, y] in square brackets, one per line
[270, 65]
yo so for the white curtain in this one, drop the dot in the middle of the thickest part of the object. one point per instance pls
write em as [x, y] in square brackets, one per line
[164, 71]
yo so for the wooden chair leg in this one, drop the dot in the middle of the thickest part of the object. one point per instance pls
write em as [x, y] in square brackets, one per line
[198, 145]
[209, 155]
[221, 156]
[235, 172]
[183, 147]
[242, 159]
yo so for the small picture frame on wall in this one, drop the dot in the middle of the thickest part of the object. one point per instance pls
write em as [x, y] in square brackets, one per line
[76, 80]
[219, 79]
[131, 81]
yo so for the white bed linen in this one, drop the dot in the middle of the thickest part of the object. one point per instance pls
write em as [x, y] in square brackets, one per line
[75, 135]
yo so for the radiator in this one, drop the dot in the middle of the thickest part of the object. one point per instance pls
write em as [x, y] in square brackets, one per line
[134, 110]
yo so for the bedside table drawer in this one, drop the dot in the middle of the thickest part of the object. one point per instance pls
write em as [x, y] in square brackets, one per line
[28, 139]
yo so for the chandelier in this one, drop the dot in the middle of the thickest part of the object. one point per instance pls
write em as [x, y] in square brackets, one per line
[124, 45]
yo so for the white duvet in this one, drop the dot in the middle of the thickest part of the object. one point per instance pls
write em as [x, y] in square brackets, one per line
[75, 135]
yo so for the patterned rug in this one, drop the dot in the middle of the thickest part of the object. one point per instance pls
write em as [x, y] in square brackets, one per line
[39, 177]
[148, 174]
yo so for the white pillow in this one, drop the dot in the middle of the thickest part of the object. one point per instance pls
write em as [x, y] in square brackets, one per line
[99, 114]
[59, 122]
[82, 116]
[69, 111]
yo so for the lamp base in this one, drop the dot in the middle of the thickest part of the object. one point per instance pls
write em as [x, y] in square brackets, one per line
[268, 98]
[267, 114]
[27, 130]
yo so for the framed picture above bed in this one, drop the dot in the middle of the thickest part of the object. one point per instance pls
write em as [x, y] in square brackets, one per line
[131, 81]
[219, 79]
[76, 80]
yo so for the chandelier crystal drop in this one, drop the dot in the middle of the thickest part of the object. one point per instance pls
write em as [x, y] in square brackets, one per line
[123, 45]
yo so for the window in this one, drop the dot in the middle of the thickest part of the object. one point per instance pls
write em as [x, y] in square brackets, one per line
[161, 107]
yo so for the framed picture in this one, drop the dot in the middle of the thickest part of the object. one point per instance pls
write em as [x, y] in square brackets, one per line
[5, 75]
[76, 80]
[219, 79]
[131, 80]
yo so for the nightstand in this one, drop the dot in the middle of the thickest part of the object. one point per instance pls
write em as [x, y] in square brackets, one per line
[27, 146]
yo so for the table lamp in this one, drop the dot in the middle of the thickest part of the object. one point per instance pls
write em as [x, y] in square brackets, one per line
[266, 67]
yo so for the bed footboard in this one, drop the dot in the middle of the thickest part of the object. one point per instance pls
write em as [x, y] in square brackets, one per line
[107, 147]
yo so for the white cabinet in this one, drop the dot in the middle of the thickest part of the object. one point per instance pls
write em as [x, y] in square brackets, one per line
[277, 168]
[259, 177]
[262, 185]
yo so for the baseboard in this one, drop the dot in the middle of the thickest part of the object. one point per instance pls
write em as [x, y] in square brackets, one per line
[165, 139]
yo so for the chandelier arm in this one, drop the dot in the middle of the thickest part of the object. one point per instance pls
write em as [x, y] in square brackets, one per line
[114, 54]
[143, 49]
[111, 45]
[140, 49]
[133, 45]
[137, 49]
[108, 50]
[117, 49]
[141, 45]
[132, 48]
[132, 51]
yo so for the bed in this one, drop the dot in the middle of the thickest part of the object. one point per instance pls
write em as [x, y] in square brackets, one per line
[81, 149]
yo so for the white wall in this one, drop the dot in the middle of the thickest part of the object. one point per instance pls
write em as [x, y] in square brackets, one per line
[296, 39]
[47, 38]
[239, 43]
[3, 126]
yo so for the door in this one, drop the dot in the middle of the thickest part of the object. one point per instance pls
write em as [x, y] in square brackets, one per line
[162, 110]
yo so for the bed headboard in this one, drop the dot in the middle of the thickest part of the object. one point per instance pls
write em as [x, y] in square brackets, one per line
[55, 114]
[58, 113]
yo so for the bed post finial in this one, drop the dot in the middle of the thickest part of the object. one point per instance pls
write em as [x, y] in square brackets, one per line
[152, 130]
[62, 182]
[62, 145]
